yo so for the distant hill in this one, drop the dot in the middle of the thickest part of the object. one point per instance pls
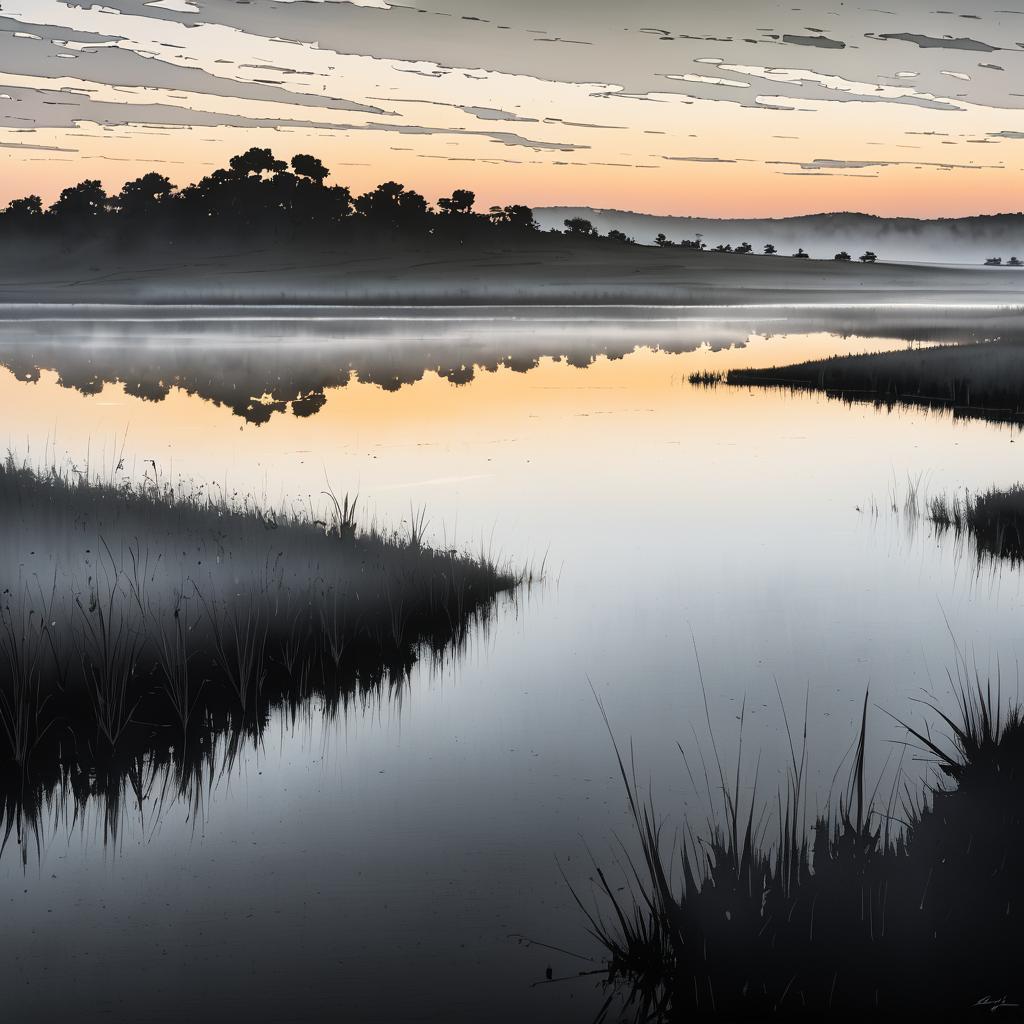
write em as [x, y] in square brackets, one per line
[960, 240]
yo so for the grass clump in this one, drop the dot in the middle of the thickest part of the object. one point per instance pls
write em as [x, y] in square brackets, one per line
[911, 905]
[141, 621]
[994, 520]
[706, 378]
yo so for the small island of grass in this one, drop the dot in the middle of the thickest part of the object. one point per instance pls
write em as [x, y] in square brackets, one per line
[982, 379]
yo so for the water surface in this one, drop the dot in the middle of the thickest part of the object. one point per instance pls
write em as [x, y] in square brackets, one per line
[385, 863]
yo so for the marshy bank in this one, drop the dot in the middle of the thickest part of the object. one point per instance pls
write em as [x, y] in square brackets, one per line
[983, 380]
[144, 626]
[896, 901]
[989, 523]
[994, 520]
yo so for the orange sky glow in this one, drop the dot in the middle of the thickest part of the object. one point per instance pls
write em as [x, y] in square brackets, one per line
[728, 121]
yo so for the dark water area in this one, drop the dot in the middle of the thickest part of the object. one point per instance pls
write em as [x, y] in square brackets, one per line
[397, 854]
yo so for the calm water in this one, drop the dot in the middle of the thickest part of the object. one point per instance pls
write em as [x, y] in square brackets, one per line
[387, 864]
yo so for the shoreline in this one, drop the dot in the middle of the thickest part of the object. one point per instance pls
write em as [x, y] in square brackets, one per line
[543, 272]
[327, 311]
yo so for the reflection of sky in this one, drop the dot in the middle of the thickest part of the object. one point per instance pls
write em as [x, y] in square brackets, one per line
[733, 108]
[427, 834]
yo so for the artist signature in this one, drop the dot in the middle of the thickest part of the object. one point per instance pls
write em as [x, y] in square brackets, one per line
[992, 1003]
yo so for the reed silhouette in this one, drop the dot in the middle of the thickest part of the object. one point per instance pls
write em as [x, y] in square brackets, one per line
[994, 520]
[888, 905]
[706, 378]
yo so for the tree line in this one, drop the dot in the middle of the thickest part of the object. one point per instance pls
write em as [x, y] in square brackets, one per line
[257, 190]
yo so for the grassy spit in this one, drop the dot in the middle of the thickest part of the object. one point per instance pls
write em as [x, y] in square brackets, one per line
[984, 379]
[903, 906]
[994, 520]
[143, 625]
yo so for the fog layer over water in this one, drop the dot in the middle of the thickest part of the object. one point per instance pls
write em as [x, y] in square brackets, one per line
[384, 863]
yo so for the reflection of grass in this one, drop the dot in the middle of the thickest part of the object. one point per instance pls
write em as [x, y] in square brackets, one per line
[905, 904]
[145, 617]
[994, 520]
[985, 380]
[706, 378]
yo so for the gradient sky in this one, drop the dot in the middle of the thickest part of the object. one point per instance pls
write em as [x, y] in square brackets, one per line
[731, 108]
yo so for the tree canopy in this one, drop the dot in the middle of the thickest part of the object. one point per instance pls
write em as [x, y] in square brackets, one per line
[258, 191]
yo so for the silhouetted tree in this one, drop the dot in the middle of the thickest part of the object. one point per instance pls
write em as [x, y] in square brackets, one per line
[800, 255]
[22, 212]
[770, 250]
[614, 235]
[868, 257]
[390, 204]
[994, 261]
[516, 216]
[745, 248]
[256, 161]
[459, 202]
[81, 202]
[143, 196]
[723, 248]
[664, 242]
[842, 257]
[1013, 261]
[579, 227]
[310, 167]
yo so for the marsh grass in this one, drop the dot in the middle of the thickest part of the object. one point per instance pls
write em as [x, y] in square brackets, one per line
[983, 380]
[994, 520]
[897, 902]
[706, 378]
[173, 615]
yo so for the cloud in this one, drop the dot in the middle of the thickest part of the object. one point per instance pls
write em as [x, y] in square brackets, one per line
[944, 43]
[741, 68]
[705, 159]
[820, 164]
[820, 41]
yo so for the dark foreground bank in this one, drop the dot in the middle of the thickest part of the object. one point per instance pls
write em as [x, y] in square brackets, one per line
[898, 903]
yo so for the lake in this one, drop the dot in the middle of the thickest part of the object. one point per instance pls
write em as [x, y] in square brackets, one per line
[404, 860]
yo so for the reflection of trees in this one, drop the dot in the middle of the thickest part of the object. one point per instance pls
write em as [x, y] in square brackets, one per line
[260, 369]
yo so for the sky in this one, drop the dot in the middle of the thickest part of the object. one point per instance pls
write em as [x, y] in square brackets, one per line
[726, 108]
